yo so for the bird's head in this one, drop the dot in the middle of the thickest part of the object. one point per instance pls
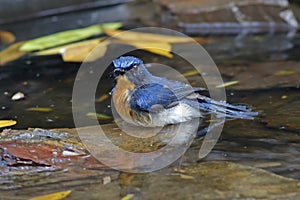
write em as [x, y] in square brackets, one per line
[131, 67]
[125, 64]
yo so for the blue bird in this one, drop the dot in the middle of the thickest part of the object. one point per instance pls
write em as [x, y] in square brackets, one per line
[143, 99]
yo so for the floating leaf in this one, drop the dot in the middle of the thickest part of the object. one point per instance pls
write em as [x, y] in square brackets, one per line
[190, 73]
[128, 197]
[183, 176]
[39, 109]
[227, 84]
[11, 53]
[6, 123]
[85, 52]
[53, 196]
[7, 37]
[102, 98]
[66, 37]
[284, 97]
[98, 116]
[142, 37]
[62, 49]
[284, 72]
[160, 48]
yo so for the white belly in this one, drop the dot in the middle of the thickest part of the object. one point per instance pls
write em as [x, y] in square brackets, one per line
[177, 114]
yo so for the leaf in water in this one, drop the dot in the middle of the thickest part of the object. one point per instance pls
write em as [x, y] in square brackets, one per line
[98, 116]
[183, 176]
[284, 72]
[102, 98]
[66, 37]
[39, 109]
[160, 48]
[6, 123]
[62, 49]
[7, 37]
[191, 73]
[142, 37]
[85, 52]
[11, 53]
[227, 84]
[53, 196]
[128, 197]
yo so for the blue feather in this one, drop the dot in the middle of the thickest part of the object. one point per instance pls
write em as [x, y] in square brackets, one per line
[125, 62]
[146, 96]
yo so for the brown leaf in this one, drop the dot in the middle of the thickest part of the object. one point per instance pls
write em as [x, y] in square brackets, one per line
[11, 53]
[7, 37]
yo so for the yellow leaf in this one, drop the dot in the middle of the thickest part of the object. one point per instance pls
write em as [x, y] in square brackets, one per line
[160, 48]
[128, 197]
[53, 196]
[11, 53]
[86, 52]
[98, 116]
[183, 176]
[7, 37]
[190, 73]
[142, 37]
[227, 84]
[284, 73]
[62, 49]
[102, 98]
[6, 123]
[39, 109]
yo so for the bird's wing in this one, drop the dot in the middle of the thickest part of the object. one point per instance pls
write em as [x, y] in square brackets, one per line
[152, 96]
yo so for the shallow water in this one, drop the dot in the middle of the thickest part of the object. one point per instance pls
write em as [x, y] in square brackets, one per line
[271, 141]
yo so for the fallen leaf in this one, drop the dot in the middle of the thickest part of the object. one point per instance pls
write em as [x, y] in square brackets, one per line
[284, 72]
[190, 73]
[102, 98]
[142, 37]
[7, 37]
[160, 48]
[6, 123]
[128, 197]
[53, 196]
[66, 37]
[39, 109]
[284, 97]
[85, 52]
[11, 53]
[227, 84]
[106, 180]
[183, 176]
[98, 116]
[62, 49]
[18, 96]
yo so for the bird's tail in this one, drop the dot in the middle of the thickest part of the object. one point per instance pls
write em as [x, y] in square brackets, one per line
[222, 109]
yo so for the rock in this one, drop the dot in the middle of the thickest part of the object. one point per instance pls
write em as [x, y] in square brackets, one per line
[227, 16]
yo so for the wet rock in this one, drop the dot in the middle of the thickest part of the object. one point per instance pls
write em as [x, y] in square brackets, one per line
[228, 16]
[216, 180]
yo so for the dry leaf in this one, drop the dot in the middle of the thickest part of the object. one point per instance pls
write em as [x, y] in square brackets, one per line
[6, 123]
[128, 197]
[53, 196]
[183, 176]
[160, 48]
[86, 52]
[284, 72]
[227, 84]
[11, 53]
[142, 37]
[60, 50]
[39, 109]
[98, 116]
[7, 37]
[191, 73]
[102, 98]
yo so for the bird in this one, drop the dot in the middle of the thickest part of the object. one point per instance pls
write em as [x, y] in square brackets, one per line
[143, 99]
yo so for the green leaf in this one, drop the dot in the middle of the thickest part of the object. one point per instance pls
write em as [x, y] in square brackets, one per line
[66, 37]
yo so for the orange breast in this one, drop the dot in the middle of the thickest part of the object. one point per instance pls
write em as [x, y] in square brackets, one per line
[120, 97]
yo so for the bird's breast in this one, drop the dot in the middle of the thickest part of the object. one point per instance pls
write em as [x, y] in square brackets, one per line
[121, 97]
